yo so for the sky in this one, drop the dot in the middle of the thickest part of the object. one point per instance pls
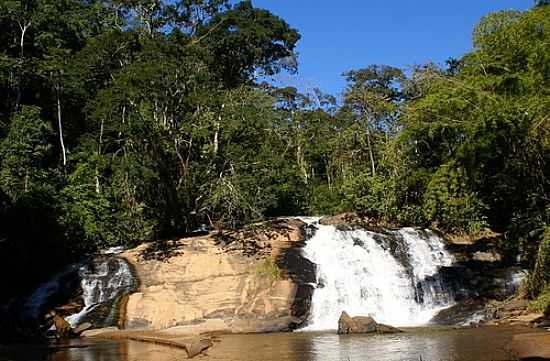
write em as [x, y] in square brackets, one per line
[340, 35]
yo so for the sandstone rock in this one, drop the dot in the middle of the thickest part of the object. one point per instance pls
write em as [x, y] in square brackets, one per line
[488, 256]
[197, 346]
[98, 332]
[358, 324]
[515, 305]
[381, 328]
[62, 327]
[70, 308]
[361, 324]
[347, 221]
[82, 327]
[341, 219]
[254, 280]
[193, 344]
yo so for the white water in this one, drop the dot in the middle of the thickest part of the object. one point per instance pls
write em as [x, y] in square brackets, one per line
[102, 281]
[35, 302]
[359, 275]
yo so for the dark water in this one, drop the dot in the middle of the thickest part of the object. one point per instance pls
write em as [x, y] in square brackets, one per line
[427, 344]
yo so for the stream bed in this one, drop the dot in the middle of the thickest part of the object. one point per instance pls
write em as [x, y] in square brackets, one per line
[426, 344]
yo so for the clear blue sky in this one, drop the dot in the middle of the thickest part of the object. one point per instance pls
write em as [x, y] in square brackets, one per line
[348, 34]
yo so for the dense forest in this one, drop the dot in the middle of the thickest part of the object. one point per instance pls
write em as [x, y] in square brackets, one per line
[124, 121]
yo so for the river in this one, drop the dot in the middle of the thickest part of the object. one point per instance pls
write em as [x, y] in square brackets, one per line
[427, 344]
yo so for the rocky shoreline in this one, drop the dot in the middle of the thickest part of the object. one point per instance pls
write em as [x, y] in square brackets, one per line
[256, 280]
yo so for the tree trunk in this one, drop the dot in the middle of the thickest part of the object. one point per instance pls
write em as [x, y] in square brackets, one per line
[60, 126]
[216, 138]
[99, 145]
[371, 154]
[217, 132]
[302, 163]
[19, 90]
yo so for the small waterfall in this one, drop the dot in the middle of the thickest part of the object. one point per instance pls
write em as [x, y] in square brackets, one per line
[104, 282]
[391, 276]
[35, 303]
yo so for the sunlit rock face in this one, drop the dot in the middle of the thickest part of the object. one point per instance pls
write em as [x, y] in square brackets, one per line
[250, 281]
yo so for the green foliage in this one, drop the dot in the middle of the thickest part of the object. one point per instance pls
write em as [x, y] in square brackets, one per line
[449, 204]
[157, 109]
[23, 153]
[269, 269]
[326, 199]
[372, 196]
[541, 304]
[539, 280]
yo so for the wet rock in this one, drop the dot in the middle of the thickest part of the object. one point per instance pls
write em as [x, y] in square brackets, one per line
[197, 346]
[381, 328]
[98, 332]
[362, 324]
[82, 327]
[358, 324]
[62, 327]
[542, 323]
[70, 308]
[350, 221]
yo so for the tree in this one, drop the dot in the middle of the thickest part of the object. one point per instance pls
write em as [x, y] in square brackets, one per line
[245, 42]
[372, 97]
[24, 152]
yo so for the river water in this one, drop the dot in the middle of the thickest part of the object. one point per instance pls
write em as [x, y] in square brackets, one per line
[427, 344]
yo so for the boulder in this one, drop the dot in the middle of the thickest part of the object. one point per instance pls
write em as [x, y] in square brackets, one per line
[362, 324]
[62, 327]
[70, 308]
[359, 324]
[487, 256]
[381, 328]
[542, 323]
[197, 346]
[349, 221]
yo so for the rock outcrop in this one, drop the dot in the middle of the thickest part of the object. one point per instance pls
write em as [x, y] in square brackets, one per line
[350, 220]
[253, 280]
[193, 344]
[362, 324]
[62, 328]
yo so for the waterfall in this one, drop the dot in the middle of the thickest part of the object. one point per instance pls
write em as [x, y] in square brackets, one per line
[104, 281]
[391, 276]
[36, 302]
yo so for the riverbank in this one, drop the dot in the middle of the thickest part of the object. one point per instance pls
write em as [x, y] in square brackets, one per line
[428, 343]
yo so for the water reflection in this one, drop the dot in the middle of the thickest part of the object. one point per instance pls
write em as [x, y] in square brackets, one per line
[120, 351]
[486, 344]
[427, 344]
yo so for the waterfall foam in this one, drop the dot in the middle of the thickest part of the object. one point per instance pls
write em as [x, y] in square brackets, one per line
[103, 281]
[392, 276]
[103, 278]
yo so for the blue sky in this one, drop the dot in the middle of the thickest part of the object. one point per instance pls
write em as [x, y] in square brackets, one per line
[349, 34]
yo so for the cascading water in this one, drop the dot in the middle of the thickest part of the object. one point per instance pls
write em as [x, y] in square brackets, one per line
[104, 282]
[391, 276]
[104, 279]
